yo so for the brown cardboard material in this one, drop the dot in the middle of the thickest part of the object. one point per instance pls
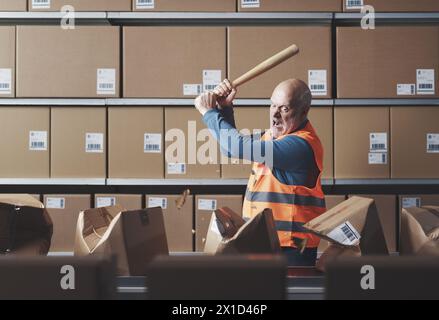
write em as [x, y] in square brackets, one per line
[248, 119]
[188, 6]
[181, 120]
[352, 136]
[417, 200]
[84, 5]
[372, 63]
[64, 210]
[204, 207]
[321, 119]
[178, 222]
[18, 126]
[71, 128]
[248, 46]
[126, 201]
[89, 55]
[331, 201]
[292, 5]
[411, 127]
[130, 154]
[398, 5]
[158, 62]
[7, 61]
[388, 214]
[13, 5]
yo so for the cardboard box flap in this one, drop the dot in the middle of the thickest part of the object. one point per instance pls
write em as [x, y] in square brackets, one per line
[228, 222]
[23, 200]
[97, 220]
[426, 216]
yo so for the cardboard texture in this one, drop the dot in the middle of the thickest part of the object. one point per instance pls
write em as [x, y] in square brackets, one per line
[89, 55]
[178, 222]
[64, 211]
[136, 143]
[126, 201]
[78, 142]
[186, 124]
[135, 237]
[413, 156]
[420, 231]
[331, 201]
[7, 61]
[291, 5]
[354, 153]
[257, 236]
[24, 137]
[249, 46]
[205, 205]
[13, 5]
[417, 200]
[397, 5]
[82, 5]
[187, 5]
[159, 63]
[379, 64]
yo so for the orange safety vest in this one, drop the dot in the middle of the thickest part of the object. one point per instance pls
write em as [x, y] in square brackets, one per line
[293, 205]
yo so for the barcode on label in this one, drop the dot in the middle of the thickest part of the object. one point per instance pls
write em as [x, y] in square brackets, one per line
[207, 204]
[317, 87]
[94, 142]
[4, 86]
[425, 80]
[38, 140]
[152, 147]
[348, 233]
[106, 86]
[94, 147]
[106, 81]
[411, 202]
[209, 87]
[378, 146]
[433, 147]
[55, 203]
[37, 144]
[152, 143]
[5, 81]
[432, 142]
[354, 4]
[425, 86]
[345, 234]
[250, 3]
[40, 4]
[145, 4]
[157, 202]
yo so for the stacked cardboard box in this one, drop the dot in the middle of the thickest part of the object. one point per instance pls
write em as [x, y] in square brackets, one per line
[126, 201]
[78, 147]
[289, 5]
[187, 5]
[361, 142]
[248, 46]
[392, 5]
[172, 62]
[7, 62]
[379, 64]
[13, 5]
[80, 63]
[80, 5]
[135, 142]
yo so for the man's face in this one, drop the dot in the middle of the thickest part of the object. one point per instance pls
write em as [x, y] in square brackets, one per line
[283, 117]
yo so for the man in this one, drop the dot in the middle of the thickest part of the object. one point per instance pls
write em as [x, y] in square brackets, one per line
[289, 183]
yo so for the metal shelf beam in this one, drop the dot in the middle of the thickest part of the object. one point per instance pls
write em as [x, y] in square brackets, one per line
[52, 102]
[386, 182]
[393, 17]
[52, 181]
[51, 17]
[386, 102]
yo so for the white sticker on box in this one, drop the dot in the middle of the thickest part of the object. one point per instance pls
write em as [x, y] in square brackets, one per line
[105, 202]
[211, 78]
[94, 142]
[432, 142]
[317, 80]
[250, 3]
[345, 234]
[145, 4]
[406, 89]
[157, 202]
[354, 4]
[40, 4]
[55, 203]
[214, 227]
[377, 158]
[176, 168]
[5, 81]
[152, 143]
[378, 142]
[192, 89]
[206, 204]
[411, 202]
[106, 81]
[425, 81]
[38, 140]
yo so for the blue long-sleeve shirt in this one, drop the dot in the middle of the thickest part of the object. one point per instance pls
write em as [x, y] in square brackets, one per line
[293, 160]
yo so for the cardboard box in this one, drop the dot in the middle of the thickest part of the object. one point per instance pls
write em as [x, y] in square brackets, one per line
[159, 62]
[415, 142]
[321, 119]
[24, 137]
[186, 123]
[379, 64]
[417, 200]
[178, 222]
[290, 5]
[331, 201]
[80, 5]
[389, 217]
[64, 210]
[361, 142]
[395, 5]
[205, 205]
[248, 119]
[135, 142]
[187, 5]
[126, 201]
[89, 55]
[7, 62]
[78, 142]
[13, 5]
[248, 46]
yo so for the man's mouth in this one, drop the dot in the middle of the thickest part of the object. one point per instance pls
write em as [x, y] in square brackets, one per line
[277, 123]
